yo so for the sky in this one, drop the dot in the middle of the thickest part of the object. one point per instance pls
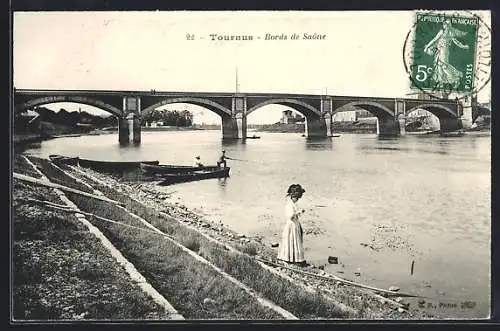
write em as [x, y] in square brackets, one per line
[361, 54]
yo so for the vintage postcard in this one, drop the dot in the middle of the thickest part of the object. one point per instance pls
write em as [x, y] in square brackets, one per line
[251, 165]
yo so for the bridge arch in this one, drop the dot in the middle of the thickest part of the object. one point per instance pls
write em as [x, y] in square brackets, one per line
[205, 103]
[76, 99]
[375, 108]
[298, 105]
[436, 109]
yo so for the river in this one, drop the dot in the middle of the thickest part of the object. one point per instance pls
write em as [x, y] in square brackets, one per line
[375, 204]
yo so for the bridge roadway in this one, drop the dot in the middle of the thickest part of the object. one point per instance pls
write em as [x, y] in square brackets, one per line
[128, 106]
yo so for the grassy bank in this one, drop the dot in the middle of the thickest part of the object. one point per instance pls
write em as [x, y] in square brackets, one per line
[364, 304]
[246, 269]
[181, 279]
[60, 270]
[196, 290]
[271, 286]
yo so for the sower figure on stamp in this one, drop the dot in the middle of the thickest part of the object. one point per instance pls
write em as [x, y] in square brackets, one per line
[291, 248]
[444, 73]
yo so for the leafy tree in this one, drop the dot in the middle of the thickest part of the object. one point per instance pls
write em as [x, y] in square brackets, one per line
[171, 118]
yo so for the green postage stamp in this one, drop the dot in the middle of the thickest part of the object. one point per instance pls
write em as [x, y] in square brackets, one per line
[444, 52]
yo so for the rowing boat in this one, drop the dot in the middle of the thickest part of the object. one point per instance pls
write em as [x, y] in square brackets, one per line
[61, 159]
[154, 169]
[106, 166]
[169, 179]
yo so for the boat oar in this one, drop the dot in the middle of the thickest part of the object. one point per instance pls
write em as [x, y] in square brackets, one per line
[45, 183]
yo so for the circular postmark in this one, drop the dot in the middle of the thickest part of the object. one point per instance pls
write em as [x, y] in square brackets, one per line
[448, 53]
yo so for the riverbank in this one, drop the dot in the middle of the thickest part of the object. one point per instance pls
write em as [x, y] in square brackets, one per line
[354, 127]
[234, 253]
[61, 271]
[174, 128]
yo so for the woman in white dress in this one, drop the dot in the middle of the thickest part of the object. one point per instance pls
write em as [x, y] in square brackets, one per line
[291, 248]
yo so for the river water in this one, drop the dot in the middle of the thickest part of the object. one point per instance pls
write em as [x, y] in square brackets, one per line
[375, 204]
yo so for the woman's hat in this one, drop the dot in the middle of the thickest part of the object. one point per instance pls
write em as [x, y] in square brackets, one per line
[295, 188]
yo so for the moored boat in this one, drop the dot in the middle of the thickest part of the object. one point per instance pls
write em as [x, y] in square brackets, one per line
[61, 159]
[153, 169]
[107, 166]
[175, 178]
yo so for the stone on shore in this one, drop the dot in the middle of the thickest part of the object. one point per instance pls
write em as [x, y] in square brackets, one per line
[333, 260]
[208, 301]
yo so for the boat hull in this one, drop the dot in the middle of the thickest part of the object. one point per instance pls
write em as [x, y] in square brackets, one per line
[169, 179]
[173, 169]
[105, 166]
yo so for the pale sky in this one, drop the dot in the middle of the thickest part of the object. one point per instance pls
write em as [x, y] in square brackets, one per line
[361, 55]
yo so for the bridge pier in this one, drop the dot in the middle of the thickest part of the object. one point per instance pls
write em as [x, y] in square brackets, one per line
[123, 131]
[402, 124]
[388, 126]
[469, 107]
[134, 127]
[316, 127]
[234, 127]
[129, 126]
[328, 123]
[448, 124]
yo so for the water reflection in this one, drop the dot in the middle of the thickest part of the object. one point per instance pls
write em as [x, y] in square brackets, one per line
[319, 144]
[222, 182]
[389, 138]
[232, 141]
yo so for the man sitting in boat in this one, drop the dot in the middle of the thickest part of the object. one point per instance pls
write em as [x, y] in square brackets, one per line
[197, 162]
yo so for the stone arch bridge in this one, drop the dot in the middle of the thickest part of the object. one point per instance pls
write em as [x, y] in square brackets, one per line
[233, 108]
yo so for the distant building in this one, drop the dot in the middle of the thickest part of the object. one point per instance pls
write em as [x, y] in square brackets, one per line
[352, 115]
[345, 116]
[290, 117]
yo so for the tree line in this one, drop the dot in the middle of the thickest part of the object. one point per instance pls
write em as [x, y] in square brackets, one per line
[169, 118]
[70, 119]
[63, 117]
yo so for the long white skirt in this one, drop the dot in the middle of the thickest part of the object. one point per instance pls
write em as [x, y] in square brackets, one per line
[291, 248]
